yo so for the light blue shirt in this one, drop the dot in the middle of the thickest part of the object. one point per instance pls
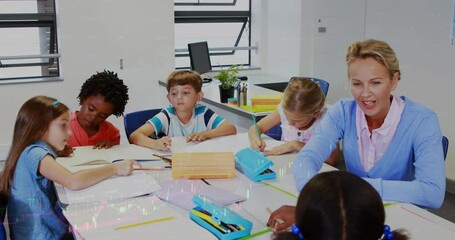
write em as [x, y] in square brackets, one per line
[410, 170]
[33, 212]
[373, 145]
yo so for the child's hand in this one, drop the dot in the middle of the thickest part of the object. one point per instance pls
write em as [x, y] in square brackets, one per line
[286, 148]
[66, 152]
[102, 144]
[126, 167]
[258, 144]
[162, 144]
[282, 218]
[195, 137]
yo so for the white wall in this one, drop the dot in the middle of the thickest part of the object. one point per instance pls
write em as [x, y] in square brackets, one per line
[422, 41]
[95, 35]
[418, 30]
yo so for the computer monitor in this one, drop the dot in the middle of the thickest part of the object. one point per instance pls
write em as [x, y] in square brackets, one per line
[199, 57]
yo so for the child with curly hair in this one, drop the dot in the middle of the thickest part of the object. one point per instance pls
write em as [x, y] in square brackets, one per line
[102, 95]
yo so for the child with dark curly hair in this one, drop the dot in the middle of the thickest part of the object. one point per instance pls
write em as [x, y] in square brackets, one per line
[102, 95]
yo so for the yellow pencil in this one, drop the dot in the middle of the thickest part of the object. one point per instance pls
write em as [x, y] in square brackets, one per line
[144, 223]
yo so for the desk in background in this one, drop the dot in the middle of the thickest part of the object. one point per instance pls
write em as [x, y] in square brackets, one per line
[237, 116]
[271, 194]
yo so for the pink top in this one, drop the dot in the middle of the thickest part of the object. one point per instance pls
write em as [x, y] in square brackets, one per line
[107, 132]
[372, 146]
[290, 133]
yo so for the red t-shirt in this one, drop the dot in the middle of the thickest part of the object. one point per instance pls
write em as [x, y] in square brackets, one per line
[107, 132]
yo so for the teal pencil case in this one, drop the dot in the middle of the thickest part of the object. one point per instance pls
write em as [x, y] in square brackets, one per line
[221, 221]
[254, 165]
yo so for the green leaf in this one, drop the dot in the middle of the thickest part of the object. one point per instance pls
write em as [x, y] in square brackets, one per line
[228, 76]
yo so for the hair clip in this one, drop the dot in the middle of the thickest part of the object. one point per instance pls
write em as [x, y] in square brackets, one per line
[388, 235]
[296, 231]
[55, 103]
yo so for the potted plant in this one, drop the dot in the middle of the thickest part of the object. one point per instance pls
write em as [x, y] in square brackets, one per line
[227, 78]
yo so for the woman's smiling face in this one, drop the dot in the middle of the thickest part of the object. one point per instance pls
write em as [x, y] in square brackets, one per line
[371, 87]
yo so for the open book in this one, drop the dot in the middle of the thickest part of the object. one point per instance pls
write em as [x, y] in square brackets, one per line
[87, 157]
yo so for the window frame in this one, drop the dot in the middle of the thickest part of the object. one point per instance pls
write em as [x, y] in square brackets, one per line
[241, 16]
[34, 20]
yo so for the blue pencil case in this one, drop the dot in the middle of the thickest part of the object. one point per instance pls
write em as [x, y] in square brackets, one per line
[254, 165]
[221, 221]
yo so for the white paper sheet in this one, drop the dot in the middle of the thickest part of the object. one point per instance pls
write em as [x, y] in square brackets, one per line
[118, 187]
[178, 144]
[99, 221]
[181, 192]
[231, 143]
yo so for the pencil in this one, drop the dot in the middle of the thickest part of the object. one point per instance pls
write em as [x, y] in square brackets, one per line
[154, 169]
[256, 126]
[168, 160]
[144, 223]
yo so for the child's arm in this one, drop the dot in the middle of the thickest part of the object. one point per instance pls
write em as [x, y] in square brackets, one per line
[264, 124]
[286, 147]
[141, 137]
[225, 128]
[55, 172]
[111, 137]
[66, 152]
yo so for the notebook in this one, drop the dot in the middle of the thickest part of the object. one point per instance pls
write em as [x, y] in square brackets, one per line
[87, 157]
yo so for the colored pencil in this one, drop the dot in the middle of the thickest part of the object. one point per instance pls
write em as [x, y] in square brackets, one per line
[168, 160]
[154, 169]
[144, 223]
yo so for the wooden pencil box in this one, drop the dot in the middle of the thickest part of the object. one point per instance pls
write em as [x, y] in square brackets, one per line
[221, 221]
[203, 165]
[254, 165]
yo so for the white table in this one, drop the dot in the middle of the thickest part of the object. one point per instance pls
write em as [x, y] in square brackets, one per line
[99, 219]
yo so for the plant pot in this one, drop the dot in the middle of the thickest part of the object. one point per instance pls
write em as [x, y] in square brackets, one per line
[225, 94]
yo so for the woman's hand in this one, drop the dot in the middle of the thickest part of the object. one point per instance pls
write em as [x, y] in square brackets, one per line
[282, 218]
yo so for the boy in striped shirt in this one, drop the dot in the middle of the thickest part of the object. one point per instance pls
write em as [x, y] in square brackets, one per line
[184, 118]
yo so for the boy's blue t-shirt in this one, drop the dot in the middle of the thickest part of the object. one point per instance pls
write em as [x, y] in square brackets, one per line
[33, 212]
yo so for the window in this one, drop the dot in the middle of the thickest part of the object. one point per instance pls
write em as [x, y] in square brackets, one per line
[224, 24]
[28, 46]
